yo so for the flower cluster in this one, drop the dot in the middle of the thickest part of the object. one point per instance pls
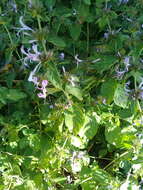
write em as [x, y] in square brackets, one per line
[79, 158]
[33, 78]
[35, 56]
[138, 92]
[43, 90]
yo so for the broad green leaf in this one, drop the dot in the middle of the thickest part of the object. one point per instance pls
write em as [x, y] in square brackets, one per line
[15, 95]
[53, 76]
[113, 135]
[75, 30]
[57, 41]
[108, 89]
[103, 22]
[104, 64]
[75, 91]
[88, 2]
[90, 127]
[69, 120]
[3, 94]
[78, 118]
[120, 96]
[83, 12]
[74, 118]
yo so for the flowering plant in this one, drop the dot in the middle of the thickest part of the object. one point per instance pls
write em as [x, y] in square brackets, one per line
[71, 95]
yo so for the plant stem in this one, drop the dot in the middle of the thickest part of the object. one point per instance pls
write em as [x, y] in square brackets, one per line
[10, 38]
[115, 160]
[87, 47]
[40, 28]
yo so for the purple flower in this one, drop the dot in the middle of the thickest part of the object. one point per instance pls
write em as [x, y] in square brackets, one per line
[31, 56]
[120, 73]
[43, 94]
[44, 83]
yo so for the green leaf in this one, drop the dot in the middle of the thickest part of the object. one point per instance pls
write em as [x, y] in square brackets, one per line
[53, 76]
[74, 118]
[3, 94]
[104, 64]
[75, 30]
[75, 91]
[50, 3]
[88, 2]
[78, 118]
[108, 89]
[90, 127]
[120, 96]
[83, 12]
[113, 135]
[57, 41]
[15, 95]
[69, 120]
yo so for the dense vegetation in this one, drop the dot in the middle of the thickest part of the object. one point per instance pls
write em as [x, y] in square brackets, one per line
[71, 94]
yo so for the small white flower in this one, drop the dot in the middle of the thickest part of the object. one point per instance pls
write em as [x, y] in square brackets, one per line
[31, 77]
[126, 62]
[13, 5]
[64, 71]
[62, 56]
[24, 28]
[96, 60]
[77, 59]
[123, 1]
[74, 12]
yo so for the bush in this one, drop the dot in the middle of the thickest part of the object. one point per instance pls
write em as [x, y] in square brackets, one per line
[71, 94]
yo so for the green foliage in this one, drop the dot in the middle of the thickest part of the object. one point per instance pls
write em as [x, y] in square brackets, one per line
[71, 95]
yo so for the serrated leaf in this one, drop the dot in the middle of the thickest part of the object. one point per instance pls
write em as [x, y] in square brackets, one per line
[113, 135]
[75, 91]
[90, 127]
[53, 76]
[78, 118]
[57, 41]
[15, 95]
[104, 64]
[108, 89]
[75, 30]
[120, 96]
[3, 94]
[69, 120]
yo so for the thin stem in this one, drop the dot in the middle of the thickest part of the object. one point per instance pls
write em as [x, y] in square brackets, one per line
[10, 38]
[138, 104]
[115, 160]
[87, 47]
[40, 28]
